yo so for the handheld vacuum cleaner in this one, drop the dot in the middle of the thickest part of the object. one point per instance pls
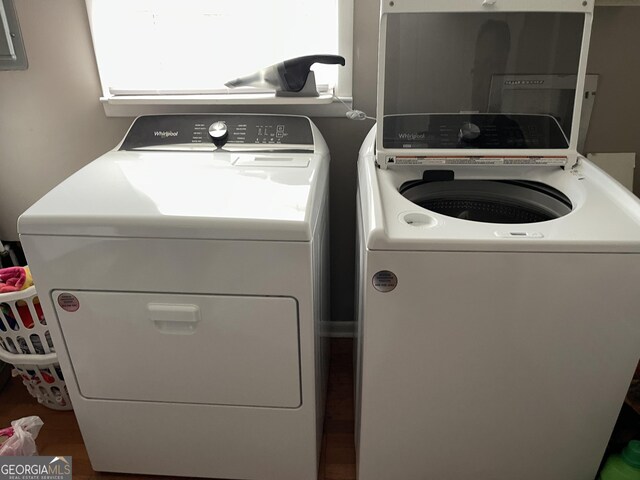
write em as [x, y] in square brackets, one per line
[291, 78]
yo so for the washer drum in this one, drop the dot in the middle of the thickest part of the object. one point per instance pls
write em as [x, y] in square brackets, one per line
[489, 201]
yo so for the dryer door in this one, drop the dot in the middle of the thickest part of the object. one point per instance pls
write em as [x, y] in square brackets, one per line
[205, 349]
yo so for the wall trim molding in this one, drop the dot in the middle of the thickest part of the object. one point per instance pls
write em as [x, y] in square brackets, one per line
[337, 329]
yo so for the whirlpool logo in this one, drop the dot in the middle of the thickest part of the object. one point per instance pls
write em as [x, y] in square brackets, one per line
[412, 136]
[165, 134]
[36, 468]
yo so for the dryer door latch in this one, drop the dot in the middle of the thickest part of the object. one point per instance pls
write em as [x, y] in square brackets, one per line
[174, 319]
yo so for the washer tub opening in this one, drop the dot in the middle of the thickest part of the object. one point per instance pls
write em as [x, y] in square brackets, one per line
[489, 201]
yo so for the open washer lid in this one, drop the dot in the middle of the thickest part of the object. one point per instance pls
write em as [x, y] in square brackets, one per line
[438, 61]
[166, 181]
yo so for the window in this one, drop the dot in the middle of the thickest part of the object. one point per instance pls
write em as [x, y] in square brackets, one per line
[185, 51]
[12, 54]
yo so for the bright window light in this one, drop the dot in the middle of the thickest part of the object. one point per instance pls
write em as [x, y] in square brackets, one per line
[168, 47]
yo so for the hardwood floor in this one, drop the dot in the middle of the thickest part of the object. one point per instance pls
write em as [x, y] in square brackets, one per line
[61, 435]
[338, 459]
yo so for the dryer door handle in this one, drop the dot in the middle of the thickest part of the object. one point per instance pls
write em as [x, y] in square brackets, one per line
[174, 319]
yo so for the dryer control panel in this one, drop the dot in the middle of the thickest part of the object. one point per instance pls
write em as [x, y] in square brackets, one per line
[255, 133]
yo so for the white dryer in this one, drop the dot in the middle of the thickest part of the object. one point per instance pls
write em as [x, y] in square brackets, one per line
[498, 296]
[185, 286]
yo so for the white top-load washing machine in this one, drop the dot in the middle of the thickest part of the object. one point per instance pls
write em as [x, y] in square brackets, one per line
[498, 324]
[185, 288]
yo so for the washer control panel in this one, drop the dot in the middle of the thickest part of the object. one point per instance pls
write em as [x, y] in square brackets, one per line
[479, 130]
[243, 133]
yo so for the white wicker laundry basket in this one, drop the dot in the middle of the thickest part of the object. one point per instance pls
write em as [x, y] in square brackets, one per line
[25, 342]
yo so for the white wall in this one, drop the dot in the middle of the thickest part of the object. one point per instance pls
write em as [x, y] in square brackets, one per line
[51, 122]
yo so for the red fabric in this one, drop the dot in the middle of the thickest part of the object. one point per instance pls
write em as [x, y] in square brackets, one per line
[25, 314]
[12, 279]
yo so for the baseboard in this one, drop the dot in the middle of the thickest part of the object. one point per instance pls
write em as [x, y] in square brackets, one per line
[338, 329]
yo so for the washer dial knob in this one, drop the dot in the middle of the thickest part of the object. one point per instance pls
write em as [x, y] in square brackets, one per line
[468, 132]
[219, 133]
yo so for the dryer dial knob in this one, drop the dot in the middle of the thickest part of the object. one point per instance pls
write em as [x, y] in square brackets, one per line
[468, 132]
[219, 133]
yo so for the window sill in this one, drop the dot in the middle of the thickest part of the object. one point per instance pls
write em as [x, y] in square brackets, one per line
[133, 105]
